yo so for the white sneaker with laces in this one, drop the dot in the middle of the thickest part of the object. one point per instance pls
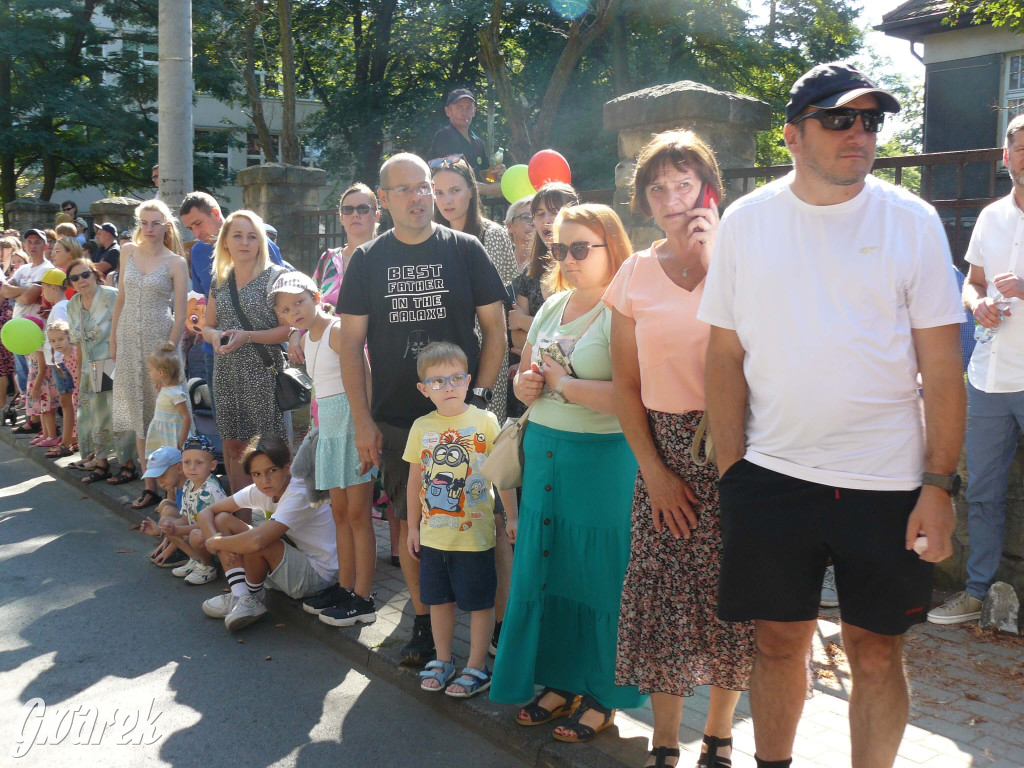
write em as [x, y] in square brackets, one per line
[184, 570]
[829, 595]
[218, 607]
[246, 610]
[202, 574]
[959, 608]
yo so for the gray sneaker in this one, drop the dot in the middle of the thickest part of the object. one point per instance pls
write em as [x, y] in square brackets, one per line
[184, 570]
[829, 595]
[957, 609]
[246, 610]
[218, 607]
[202, 574]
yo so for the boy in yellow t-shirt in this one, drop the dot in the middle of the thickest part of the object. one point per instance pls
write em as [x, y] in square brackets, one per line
[454, 541]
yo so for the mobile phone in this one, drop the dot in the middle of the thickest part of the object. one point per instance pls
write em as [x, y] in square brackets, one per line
[707, 196]
[225, 339]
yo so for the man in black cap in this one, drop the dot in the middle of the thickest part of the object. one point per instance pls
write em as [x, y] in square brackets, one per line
[829, 292]
[457, 138]
[109, 257]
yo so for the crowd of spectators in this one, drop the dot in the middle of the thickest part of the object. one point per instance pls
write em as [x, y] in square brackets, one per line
[419, 342]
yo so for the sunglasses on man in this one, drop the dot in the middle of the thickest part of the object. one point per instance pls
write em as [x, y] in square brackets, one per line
[843, 118]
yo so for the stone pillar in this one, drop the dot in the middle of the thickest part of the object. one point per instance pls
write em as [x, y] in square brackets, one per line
[174, 105]
[728, 122]
[29, 213]
[119, 211]
[277, 192]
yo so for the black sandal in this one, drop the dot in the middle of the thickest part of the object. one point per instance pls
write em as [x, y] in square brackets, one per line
[124, 475]
[660, 754]
[535, 714]
[99, 473]
[28, 428]
[577, 731]
[147, 499]
[710, 759]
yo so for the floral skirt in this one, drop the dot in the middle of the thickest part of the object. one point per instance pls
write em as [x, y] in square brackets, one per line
[670, 637]
[48, 399]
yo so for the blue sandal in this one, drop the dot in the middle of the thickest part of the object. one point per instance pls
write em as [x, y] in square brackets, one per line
[472, 680]
[440, 671]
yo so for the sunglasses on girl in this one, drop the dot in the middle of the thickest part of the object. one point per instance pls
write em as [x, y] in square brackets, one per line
[455, 381]
[362, 210]
[843, 118]
[579, 250]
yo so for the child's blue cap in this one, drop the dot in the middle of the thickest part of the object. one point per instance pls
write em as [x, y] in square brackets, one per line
[161, 460]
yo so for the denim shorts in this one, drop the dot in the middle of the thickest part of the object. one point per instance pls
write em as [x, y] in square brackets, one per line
[62, 379]
[467, 579]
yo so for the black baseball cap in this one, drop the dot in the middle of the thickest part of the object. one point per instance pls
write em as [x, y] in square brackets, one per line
[459, 93]
[833, 85]
[109, 228]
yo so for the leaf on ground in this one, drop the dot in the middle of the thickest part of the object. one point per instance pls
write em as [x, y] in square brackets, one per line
[279, 625]
[241, 641]
[123, 551]
[268, 658]
[133, 527]
[972, 696]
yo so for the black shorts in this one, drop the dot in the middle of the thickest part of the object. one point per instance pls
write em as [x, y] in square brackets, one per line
[778, 533]
[394, 470]
[468, 579]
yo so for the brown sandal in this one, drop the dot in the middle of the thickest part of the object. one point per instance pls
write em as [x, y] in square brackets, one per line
[534, 714]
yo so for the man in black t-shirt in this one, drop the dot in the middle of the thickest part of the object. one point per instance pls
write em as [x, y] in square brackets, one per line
[416, 283]
[457, 138]
[108, 258]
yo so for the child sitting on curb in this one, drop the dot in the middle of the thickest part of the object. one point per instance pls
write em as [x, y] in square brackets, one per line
[201, 490]
[252, 557]
[164, 467]
[454, 540]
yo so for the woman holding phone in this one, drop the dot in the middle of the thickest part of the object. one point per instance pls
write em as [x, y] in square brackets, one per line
[670, 637]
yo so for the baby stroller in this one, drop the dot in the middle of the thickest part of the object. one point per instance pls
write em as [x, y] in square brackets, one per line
[202, 417]
[10, 412]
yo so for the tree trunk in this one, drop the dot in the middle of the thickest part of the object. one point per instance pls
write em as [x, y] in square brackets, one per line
[8, 180]
[290, 152]
[621, 80]
[263, 137]
[516, 113]
[50, 165]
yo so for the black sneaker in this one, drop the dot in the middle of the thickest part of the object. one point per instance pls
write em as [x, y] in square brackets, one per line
[358, 609]
[493, 647]
[420, 648]
[332, 596]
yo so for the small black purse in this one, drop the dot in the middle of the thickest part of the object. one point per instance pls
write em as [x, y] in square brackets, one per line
[293, 389]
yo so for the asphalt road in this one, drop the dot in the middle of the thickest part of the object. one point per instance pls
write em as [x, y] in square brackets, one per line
[91, 633]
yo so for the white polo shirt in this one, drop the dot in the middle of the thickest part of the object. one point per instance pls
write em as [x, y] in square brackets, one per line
[995, 246]
[823, 299]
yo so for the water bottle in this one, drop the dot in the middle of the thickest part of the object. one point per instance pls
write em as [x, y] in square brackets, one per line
[983, 334]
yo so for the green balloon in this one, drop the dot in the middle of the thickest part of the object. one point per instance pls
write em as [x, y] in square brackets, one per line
[21, 336]
[515, 183]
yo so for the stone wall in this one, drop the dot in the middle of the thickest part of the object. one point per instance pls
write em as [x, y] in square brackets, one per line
[728, 122]
[30, 212]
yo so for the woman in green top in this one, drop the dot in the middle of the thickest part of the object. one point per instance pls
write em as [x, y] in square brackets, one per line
[572, 545]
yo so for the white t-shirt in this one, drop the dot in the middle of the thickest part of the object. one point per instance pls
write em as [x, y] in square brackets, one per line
[310, 528]
[59, 311]
[996, 245]
[823, 299]
[24, 277]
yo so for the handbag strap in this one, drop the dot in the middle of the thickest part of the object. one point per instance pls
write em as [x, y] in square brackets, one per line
[243, 319]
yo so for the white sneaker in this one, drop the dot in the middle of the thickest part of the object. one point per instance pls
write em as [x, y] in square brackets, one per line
[202, 574]
[959, 608]
[184, 570]
[218, 607]
[246, 610]
[829, 595]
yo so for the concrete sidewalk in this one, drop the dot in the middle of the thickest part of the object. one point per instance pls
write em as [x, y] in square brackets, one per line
[966, 703]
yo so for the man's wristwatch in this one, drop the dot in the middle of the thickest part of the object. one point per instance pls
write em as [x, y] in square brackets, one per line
[482, 395]
[949, 483]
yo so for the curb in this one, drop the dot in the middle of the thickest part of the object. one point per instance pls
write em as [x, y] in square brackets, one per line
[372, 647]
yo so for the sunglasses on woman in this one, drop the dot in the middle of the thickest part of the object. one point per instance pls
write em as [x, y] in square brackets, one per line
[448, 162]
[579, 250]
[79, 276]
[843, 118]
[362, 210]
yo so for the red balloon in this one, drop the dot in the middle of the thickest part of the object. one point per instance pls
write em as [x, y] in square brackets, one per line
[547, 166]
